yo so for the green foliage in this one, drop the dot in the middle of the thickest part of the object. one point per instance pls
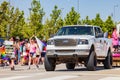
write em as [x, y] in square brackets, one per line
[13, 23]
[72, 18]
[55, 15]
[36, 17]
[17, 22]
[4, 18]
[108, 25]
[55, 22]
[98, 21]
[86, 21]
[55, 18]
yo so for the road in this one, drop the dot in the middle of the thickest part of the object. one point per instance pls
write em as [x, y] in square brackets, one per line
[80, 73]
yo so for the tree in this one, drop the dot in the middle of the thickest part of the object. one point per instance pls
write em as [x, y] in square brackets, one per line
[11, 20]
[36, 18]
[55, 17]
[54, 23]
[87, 21]
[72, 18]
[98, 21]
[17, 22]
[59, 23]
[4, 18]
[109, 25]
[46, 30]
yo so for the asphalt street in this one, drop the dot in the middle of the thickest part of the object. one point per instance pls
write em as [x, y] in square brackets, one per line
[61, 73]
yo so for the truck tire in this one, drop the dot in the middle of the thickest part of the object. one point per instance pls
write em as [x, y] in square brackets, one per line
[70, 65]
[49, 64]
[108, 61]
[91, 61]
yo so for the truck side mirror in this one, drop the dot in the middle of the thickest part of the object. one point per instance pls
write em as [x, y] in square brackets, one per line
[106, 35]
[99, 35]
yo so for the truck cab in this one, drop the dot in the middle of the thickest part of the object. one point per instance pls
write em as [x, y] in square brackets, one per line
[75, 44]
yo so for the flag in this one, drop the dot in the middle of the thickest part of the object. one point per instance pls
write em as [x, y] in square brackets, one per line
[40, 44]
[2, 52]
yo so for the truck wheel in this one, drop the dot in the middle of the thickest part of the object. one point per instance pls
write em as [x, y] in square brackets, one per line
[108, 61]
[70, 65]
[91, 62]
[49, 64]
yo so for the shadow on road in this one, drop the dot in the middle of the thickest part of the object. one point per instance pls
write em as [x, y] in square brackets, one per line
[99, 68]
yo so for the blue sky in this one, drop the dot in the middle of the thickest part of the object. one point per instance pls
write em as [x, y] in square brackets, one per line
[86, 7]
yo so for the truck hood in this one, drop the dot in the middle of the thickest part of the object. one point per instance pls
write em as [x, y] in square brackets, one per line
[72, 37]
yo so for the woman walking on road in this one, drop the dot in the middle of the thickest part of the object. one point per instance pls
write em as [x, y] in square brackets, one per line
[32, 52]
[12, 57]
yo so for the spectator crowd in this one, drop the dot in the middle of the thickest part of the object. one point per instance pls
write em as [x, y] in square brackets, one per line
[22, 52]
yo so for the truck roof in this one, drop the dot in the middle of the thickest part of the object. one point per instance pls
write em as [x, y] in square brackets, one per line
[80, 25]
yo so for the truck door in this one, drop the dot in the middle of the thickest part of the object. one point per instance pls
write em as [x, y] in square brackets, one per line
[99, 44]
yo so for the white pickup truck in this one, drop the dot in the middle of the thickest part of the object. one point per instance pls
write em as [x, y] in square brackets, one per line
[78, 44]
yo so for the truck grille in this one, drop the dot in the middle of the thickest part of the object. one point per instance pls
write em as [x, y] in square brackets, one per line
[65, 51]
[65, 42]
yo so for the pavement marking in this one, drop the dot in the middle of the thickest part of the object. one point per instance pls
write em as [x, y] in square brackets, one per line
[110, 78]
[13, 78]
[32, 74]
[60, 78]
[116, 69]
[19, 76]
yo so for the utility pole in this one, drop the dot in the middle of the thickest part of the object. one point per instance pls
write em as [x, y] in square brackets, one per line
[61, 11]
[30, 10]
[30, 21]
[8, 26]
[115, 13]
[9, 3]
[78, 8]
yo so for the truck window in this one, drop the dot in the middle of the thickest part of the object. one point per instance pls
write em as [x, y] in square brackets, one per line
[76, 30]
[98, 31]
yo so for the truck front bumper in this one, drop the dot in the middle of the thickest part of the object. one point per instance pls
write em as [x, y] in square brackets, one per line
[70, 53]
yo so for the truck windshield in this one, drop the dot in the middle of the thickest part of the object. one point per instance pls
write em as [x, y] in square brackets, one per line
[78, 30]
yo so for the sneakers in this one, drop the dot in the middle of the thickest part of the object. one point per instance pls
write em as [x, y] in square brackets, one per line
[12, 68]
[29, 68]
[37, 66]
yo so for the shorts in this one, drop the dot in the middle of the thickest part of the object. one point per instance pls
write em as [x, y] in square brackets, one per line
[115, 46]
[12, 56]
[32, 54]
[37, 55]
[43, 54]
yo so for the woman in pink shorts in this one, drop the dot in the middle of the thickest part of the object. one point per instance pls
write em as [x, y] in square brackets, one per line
[32, 51]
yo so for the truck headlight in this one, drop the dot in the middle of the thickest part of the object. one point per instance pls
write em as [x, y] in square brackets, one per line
[83, 41]
[50, 42]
